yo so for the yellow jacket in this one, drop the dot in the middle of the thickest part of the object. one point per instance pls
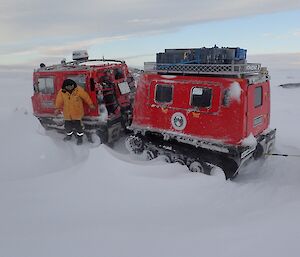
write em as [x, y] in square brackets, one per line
[73, 103]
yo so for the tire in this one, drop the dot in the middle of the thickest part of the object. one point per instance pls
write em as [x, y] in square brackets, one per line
[149, 155]
[134, 144]
[180, 161]
[167, 158]
[196, 167]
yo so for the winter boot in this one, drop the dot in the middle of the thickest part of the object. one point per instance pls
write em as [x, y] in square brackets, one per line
[67, 138]
[79, 141]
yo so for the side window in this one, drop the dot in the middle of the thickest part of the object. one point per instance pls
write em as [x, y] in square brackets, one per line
[201, 97]
[258, 99]
[163, 93]
[46, 85]
[79, 79]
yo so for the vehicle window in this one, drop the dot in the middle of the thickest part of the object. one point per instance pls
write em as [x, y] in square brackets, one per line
[201, 97]
[46, 85]
[79, 79]
[258, 99]
[164, 93]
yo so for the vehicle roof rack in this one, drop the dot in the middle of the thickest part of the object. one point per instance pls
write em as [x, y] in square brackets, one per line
[203, 69]
[77, 64]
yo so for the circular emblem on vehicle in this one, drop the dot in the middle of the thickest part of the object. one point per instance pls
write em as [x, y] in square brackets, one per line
[178, 121]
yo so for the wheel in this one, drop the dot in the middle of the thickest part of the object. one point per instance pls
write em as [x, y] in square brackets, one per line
[196, 167]
[179, 160]
[149, 154]
[167, 158]
[134, 144]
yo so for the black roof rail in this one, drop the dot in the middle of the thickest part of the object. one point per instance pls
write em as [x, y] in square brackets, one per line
[95, 60]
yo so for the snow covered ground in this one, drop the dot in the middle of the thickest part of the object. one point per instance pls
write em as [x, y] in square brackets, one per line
[59, 200]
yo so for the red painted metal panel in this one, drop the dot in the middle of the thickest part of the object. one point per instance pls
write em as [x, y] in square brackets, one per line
[43, 104]
[224, 122]
[258, 115]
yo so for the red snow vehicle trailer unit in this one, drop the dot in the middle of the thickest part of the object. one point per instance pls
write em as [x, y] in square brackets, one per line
[108, 82]
[203, 115]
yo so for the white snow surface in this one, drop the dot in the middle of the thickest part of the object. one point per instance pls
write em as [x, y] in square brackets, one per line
[58, 199]
[249, 141]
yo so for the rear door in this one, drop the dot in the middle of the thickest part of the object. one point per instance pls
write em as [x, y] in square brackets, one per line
[258, 113]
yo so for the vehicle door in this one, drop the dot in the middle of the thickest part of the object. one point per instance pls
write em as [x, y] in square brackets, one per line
[258, 108]
[44, 94]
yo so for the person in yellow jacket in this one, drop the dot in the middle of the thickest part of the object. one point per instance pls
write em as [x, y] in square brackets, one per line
[71, 98]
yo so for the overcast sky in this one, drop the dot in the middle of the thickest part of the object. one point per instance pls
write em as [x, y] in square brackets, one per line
[33, 30]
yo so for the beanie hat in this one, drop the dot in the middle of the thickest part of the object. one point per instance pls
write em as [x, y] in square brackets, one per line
[68, 82]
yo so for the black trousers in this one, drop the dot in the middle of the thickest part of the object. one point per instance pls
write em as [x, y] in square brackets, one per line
[72, 126]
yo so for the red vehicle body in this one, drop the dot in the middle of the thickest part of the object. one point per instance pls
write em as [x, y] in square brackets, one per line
[227, 123]
[220, 112]
[109, 84]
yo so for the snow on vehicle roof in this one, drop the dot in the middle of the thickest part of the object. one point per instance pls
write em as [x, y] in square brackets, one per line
[80, 64]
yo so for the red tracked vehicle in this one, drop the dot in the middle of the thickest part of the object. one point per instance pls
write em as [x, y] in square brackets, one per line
[108, 82]
[202, 108]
